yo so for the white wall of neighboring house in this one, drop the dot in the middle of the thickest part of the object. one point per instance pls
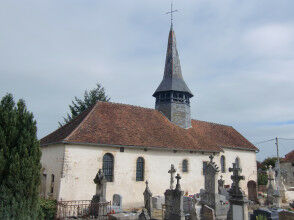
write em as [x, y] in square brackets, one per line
[81, 163]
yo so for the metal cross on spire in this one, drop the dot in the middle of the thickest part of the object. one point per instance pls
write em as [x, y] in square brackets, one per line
[171, 12]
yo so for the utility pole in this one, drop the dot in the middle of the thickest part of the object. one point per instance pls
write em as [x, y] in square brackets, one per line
[278, 168]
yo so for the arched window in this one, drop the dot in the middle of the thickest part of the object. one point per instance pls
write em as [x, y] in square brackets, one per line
[185, 166]
[223, 163]
[237, 162]
[107, 167]
[140, 169]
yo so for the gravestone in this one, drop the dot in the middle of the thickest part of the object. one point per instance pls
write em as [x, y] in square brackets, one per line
[174, 201]
[238, 203]
[210, 195]
[189, 208]
[270, 188]
[144, 215]
[172, 172]
[207, 213]
[117, 200]
[210, 184]
[157, 202]
[148, 200]
[117, 203]
[221, 188]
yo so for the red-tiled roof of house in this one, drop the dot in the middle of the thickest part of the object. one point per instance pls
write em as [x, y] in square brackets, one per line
[126, 125]
[289, 157]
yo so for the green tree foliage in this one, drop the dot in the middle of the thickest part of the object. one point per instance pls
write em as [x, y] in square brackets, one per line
[89, 99]
[262, 179]
[267, 162]
[19, 161]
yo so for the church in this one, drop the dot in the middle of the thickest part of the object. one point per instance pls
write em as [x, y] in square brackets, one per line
[133, 144]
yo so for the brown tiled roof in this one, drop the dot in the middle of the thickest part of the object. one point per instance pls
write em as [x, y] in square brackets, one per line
[119, 124]
[289, 157]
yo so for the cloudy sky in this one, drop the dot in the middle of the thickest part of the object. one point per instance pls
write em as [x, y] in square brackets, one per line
[237, 58]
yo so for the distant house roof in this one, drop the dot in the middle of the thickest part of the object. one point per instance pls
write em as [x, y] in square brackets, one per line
[126, 125]
[289, 157]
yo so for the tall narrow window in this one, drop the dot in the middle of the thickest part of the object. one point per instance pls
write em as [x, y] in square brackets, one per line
[140, 169]
[52, 183]
[223, 163]
[107, 167]
[185, 166]
[237, 162]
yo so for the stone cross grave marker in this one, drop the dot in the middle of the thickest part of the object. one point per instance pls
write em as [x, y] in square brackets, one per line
[148, 200]
[235, 190]
[238, 203]
[172, 174]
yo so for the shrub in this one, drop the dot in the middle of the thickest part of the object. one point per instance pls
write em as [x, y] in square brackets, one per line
[48, 208]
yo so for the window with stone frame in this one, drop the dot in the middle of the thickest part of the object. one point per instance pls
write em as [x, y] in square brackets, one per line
[108, 166]
[237, 162]
[223, 164]
[185, 166]
[140, 169]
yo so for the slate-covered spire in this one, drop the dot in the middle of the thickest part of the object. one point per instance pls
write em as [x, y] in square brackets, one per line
[173, 95]
[172, 78]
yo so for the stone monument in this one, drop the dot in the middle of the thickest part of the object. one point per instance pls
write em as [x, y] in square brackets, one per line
[210, 196]
[238, 203]
[270, 188]
[148, 200]
[100, 195]
[174, 199]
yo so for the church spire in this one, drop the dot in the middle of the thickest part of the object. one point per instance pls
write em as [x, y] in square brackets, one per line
[173, 95]
[172, 78]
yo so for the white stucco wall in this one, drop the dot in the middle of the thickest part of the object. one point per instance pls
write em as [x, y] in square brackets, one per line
[52, 163]
[81, 164]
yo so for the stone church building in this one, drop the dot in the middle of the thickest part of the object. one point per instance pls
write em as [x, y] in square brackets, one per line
[134, 144]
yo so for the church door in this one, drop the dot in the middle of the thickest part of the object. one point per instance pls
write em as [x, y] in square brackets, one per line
[252, 192]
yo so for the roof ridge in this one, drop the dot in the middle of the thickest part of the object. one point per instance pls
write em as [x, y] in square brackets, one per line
[212, 123]
[136, 106]
[85, 118]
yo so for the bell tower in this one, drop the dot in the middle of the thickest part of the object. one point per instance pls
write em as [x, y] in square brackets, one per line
[173, 95]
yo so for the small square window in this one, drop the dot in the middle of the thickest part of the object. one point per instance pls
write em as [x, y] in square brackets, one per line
[122, 149]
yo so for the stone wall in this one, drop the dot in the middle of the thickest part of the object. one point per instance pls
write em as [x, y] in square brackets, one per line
[52, 161]
[81, 164]
[289, 168]
[178, 113]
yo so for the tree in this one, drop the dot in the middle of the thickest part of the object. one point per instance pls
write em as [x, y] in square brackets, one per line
[19, 161]
[267, 162]
[89, 99]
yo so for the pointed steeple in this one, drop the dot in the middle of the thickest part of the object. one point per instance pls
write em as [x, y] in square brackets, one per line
[172, 79]
[173, 95]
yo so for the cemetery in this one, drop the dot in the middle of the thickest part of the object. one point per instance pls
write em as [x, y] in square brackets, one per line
[214, 202]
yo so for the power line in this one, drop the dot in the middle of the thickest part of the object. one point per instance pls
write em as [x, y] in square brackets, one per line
[287, 139]
[261, 142]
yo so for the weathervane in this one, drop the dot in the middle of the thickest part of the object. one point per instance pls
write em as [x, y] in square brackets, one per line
[171, 12]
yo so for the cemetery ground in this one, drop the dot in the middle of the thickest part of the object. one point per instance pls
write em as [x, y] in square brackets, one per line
[214, 202]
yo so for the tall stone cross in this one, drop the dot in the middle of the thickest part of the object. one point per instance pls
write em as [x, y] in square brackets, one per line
[235, 189]
[178, 186]
[172, 174]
